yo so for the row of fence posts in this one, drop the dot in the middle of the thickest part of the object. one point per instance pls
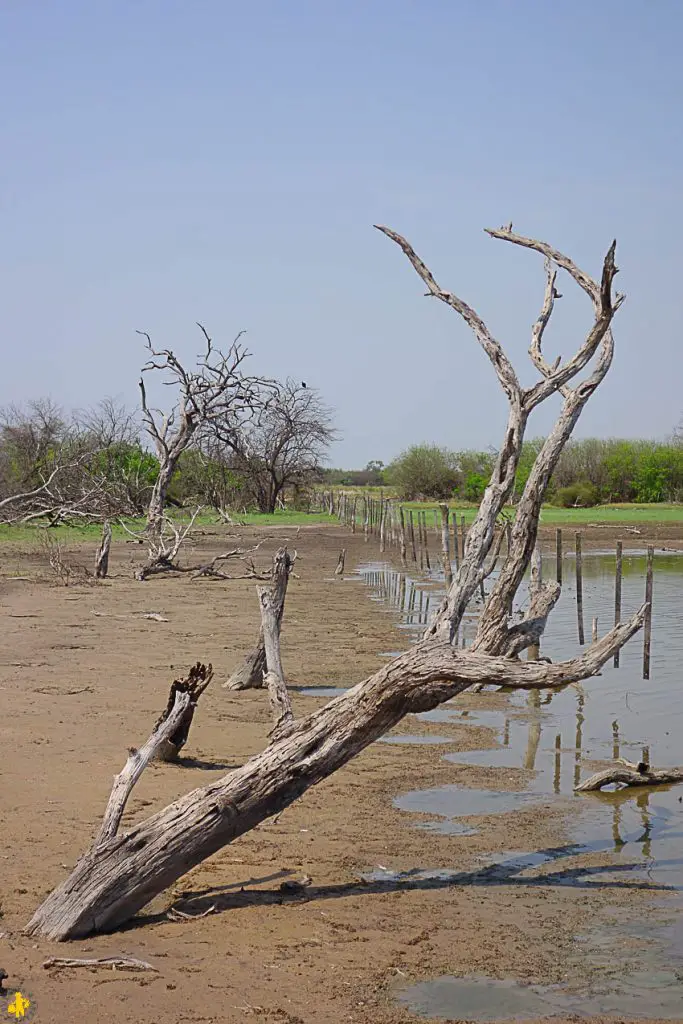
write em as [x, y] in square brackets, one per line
[618, 577]
[406, 530]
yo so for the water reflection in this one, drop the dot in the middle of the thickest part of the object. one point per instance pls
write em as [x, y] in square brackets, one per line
[614, 715]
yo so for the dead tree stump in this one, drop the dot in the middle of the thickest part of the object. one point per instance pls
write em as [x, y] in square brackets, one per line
[194, 685]
[102, 558]
[250, 674]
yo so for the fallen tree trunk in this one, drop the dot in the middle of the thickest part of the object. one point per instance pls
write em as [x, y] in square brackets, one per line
[627, 773]
[117, 878]
[250, 674]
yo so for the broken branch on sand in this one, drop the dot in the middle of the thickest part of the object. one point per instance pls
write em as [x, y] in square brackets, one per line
[627, 773]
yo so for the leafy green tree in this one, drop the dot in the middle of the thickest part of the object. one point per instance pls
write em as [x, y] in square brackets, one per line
[424, 471]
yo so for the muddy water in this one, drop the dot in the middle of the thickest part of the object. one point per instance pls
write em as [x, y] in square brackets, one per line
[559, 736]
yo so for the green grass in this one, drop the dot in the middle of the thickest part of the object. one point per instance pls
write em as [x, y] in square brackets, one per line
[553, 515]
[550, 516]
[23, 533]
[614, 514]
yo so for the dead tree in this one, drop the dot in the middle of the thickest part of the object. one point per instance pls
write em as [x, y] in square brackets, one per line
[250, 674]
[113, 881]
[215, 389]
[280, 446]
[102, 557]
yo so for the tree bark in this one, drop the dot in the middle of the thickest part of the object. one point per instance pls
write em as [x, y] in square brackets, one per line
[250, 674]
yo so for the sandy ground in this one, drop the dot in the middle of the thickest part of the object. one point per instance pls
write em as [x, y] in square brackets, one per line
[83, 676]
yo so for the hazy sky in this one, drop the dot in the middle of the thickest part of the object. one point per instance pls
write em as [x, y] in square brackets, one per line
[165, 162]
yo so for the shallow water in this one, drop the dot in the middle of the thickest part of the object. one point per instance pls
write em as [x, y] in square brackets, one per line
[616, 714]
[642, 994]
[556, 735]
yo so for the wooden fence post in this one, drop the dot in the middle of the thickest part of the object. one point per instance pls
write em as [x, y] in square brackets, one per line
[446, 545]
[647, 628]
[411, 532]
[558, 556]
[426, 545]
[402, 533]
[579, 588]
[617, 593]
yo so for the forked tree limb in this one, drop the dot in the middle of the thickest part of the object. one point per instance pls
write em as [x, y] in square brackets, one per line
[521, 403]
[529, 631]
[209, 569]
[504, 369]
[627, 773]
[117, 878]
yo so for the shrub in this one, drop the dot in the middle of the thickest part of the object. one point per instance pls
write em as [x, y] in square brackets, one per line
[423, 471]
[579, 495]
[474, 487]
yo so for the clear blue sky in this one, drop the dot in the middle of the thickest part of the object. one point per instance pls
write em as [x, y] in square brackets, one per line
[166, 162]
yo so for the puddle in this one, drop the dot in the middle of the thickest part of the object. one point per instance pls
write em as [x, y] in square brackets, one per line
[451, 802]
[657, 994]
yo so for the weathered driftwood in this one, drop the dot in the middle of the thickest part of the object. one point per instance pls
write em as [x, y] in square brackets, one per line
[118, 877]
[113, 963]
[250, 674]
[194, 685]
[628, 773]
[102, 557]
[164, 541]
[210, 568]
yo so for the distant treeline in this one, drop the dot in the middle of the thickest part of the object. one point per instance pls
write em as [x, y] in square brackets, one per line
[590, 472]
